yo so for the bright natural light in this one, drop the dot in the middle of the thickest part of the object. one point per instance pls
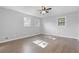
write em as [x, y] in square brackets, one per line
[27, 22]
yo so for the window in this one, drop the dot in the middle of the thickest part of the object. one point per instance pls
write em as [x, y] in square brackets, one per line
[27, 22]
[61, 21]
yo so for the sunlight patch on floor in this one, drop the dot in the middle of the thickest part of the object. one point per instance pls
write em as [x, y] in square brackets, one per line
[53, 38]
[40, 43]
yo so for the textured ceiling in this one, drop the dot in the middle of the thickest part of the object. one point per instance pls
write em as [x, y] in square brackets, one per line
[34, 10]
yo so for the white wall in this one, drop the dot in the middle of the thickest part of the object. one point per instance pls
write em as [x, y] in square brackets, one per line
[12, 25]
[78, 24]
[70, 29]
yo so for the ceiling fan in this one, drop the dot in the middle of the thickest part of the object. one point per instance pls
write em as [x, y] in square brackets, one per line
[44, 9]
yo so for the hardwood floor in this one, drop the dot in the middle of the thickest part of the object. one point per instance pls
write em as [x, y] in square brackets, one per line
[26, 45]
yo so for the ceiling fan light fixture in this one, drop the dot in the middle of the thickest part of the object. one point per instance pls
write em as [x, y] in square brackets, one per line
[43, 12]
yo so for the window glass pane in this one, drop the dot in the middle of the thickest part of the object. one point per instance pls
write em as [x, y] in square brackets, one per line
[27, 22]
[61, 21]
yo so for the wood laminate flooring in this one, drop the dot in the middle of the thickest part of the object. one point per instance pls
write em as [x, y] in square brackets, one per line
[26, 45]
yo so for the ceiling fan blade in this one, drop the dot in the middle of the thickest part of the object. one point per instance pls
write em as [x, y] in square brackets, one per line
[48, 8]
[47, 12]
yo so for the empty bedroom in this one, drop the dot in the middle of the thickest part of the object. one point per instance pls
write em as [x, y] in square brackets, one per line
[39, 29]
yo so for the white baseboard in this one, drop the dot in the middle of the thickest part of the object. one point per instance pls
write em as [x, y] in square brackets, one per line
[19, 38]
[33, 35]
[63, 36]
